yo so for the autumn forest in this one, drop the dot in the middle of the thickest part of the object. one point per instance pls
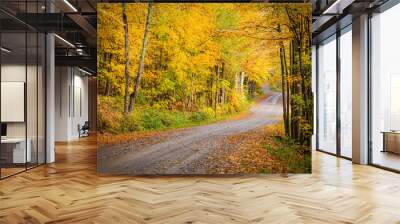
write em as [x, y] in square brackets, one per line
[187, 74]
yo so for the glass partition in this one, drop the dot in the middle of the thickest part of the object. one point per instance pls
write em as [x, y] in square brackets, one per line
[327, 95]
[22, 88]
[385, 89]
[13, 94]
[346, 92]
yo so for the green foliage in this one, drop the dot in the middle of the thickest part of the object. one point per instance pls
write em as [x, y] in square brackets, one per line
[157, 119]
[306, 128]
[129, 123]
[199, 116]
[111, 118]
[293, 157]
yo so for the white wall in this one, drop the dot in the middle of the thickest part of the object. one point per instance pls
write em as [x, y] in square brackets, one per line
[71, 103]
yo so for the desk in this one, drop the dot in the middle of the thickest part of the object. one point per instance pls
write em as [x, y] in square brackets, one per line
[391, 141]
[13, 150]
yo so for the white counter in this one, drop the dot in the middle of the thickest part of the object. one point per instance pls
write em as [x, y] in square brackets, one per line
[18, 144]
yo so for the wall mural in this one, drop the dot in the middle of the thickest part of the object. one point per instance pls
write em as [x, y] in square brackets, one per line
[204, 88]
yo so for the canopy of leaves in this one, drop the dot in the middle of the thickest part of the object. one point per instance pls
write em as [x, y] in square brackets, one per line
[197, 54]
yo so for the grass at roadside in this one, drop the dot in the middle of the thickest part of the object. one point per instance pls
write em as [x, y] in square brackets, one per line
[116, 127]
[112, 120]
[291, 156]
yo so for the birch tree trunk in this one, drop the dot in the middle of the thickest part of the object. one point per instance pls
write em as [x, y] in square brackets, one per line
[236, 82]
[141, 59]
[241, 82]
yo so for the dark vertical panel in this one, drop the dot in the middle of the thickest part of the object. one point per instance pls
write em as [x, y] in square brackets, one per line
[317, 97]
[338, 81]
[44, 79]
[37, 91]
[369, 125]
[26, 87]
[45, 94]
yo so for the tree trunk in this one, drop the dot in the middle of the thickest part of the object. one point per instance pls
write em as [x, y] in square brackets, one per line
[285, 117]
[216, 89]
[161, 59]
[127, 61]
[292, 125]
[221, 91]
[108, 87]
[288, 86]
[294, 90]
[141, 59]
[210, 90]
[236, 82]
[241, 82]
[299, 51]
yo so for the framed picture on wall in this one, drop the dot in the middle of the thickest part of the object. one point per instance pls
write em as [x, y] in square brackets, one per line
[204, 88]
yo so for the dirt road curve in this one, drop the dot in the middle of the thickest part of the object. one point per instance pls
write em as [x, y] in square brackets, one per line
[183, 151]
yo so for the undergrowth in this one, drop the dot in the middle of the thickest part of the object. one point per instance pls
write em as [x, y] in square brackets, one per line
[111, 118]
[292, 157]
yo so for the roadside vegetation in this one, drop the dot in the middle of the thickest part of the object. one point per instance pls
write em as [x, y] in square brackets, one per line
[263, 150]
[112, 119]
[291, 156]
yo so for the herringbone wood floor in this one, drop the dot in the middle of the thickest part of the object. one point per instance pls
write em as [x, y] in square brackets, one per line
[70, 191]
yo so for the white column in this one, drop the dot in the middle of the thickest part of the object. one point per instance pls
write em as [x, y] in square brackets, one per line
[50, 92]
[50, 99]
[360, 90]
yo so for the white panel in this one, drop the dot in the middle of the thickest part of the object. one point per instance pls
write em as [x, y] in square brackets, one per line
[12, 101]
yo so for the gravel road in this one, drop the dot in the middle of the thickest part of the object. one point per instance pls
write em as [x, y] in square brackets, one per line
[183, 151]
